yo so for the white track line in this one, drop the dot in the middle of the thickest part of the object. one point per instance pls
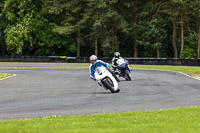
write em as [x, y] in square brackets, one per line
[8, 77]
[173, 71]
[188, 75]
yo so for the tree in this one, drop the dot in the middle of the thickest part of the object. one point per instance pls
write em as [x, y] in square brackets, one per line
[194, 7]
[45, 41]
[74, 17]
[147, 27]
[155, 34]
[2, 30]
[198, 48]
[108, 23]
[170, 9]
[182, 11]
[19, 15]
[179, 12]
[192, 14]
[131, 12]
[59, 27]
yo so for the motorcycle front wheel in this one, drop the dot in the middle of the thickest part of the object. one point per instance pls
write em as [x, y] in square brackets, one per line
[127, 75]
[118, 80]
[109, 85]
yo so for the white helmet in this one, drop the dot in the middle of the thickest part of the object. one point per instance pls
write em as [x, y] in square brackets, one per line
[93, 57]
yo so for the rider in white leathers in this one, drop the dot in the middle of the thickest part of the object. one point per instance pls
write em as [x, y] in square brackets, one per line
[114, 60]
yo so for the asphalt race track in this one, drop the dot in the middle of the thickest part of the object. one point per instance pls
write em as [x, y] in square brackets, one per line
[62, 92]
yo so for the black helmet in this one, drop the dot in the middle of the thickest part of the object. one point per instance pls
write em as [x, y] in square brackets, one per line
[117, 54]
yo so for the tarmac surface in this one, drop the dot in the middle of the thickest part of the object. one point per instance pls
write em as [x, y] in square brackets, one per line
[38, 93]
[29, 64]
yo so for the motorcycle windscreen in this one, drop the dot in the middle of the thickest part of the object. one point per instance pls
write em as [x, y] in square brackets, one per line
[121, 62]
[99, 70]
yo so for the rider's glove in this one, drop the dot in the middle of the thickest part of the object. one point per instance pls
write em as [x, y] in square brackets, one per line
[108, 68]
[94, 79]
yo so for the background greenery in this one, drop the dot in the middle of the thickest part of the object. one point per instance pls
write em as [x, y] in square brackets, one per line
[145, 28]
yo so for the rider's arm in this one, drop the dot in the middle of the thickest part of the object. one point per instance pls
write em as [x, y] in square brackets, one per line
[104, 64]
[91, 72]
[113, 62]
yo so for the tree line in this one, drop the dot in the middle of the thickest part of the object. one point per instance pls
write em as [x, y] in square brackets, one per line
[135, 28]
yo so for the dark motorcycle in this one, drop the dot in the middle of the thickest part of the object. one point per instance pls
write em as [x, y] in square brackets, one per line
[123, 69]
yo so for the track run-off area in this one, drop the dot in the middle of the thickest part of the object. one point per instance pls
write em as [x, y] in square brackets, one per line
[34, 93]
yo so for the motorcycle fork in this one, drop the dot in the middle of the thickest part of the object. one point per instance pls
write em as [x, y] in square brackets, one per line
[104, 79]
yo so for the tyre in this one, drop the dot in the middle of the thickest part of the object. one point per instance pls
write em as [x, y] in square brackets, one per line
[118, 80]
[127, 75]
[117, 91]
[108, 85]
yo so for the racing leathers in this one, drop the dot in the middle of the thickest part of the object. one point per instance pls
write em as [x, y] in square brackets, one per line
[114, 62]
[98, 64]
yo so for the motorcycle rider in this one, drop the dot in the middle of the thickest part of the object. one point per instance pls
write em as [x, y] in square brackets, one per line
[114, 60]
[95, 63]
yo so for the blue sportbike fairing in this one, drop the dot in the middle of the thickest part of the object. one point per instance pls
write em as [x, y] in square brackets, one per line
[123, 67]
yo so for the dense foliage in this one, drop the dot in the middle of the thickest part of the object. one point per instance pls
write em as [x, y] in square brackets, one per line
[146, 28]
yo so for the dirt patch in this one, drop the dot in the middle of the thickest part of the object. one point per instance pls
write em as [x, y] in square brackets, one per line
[195, 75]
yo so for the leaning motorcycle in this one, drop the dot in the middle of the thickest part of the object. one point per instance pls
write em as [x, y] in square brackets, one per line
[123, 68]
[106, 79]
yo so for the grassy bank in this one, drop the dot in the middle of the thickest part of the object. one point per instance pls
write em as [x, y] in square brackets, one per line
[4, 75]
[193, 71]
[183, 120]
[184, 69]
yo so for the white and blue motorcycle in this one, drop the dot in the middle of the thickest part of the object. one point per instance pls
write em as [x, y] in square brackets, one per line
[106, 79]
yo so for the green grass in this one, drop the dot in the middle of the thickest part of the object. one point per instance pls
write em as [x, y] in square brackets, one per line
[182, 120]
[4, 75]
[184, 69]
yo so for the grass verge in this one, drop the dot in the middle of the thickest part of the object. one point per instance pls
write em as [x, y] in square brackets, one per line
[182, 120]
[193, 71]
[184, 69]
[4, 75]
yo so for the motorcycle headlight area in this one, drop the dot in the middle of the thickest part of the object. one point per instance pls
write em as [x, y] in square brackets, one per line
[99, 70]
[99, 73]
[121, 65]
